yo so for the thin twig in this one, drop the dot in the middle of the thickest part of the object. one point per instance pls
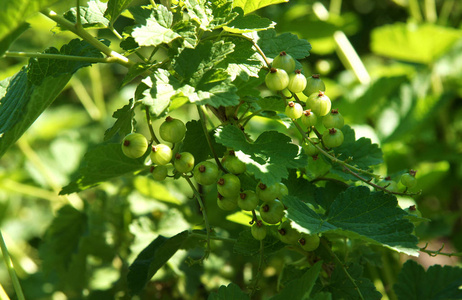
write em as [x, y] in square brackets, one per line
[259, 270]
[207, 137]
[10, 267]
[151, 129]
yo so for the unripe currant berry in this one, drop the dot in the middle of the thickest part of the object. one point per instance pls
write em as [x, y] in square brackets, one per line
[309, 242]
[333, 119]
[258, 230]
[229, 185]
[389, 184]
[134, 145]
[284, 61]
[319, 103]
[308, 118]
[287, 234]
[297, 82]
[408, 179]
[248, 200]
[277, 79]
[183, 162]
[314, 84]
[272, 211]
[267, 193]
[159, 173]
[332, 138]
[161, 154]
[294, 110]
[226, 203]
[282, 190]
[206, 173]
[172, 130]
[311, 149]
[233, 164]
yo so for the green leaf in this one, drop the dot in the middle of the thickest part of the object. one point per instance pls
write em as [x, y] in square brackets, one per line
[11, 37]
[358, 213]
[300, 288]
[210, 15]
[360, 153]
[91, 16]
[187, 30]
[438, 282]
[252, 5]
[101, 163]
[230, 292]
[115, 8]
[153, 33]
[271, 103]
[272, 45]
[249, 23]
[15, 12]
[125, 121]
[414, 43]
[134, 71]
[268, 158]
[195, 142]
[248, 246]
[151, 259]
[159, 92]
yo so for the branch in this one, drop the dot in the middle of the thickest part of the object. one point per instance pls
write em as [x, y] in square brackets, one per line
[434, 253]
[61, 56]
[209, 141]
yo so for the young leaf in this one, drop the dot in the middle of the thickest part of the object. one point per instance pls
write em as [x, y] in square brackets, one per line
[232, 291]
[210, 15]
[438, 282]
[300, 288]
[125, 121]
[159, 91]
[358, 213]
[268, 158]
[101, 163]
[251, 5]
[151, 259]
[248, 246]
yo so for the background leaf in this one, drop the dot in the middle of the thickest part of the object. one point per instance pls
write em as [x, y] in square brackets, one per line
[232, 291]
[252, 5]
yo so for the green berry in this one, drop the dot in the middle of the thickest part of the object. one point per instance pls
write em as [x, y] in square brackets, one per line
[258, 230]
[233, 164]
[408, 179]
[159, 173]
[294, 110]
[134, 145]
[332, 138]
[229, 185]
[248, 200]
[277, 79]
[314, 84]
[161, 154]
[282, 190]
[319, 103]
[183, 162]
[284, 61]
[267, 193]
[389, 184]
[311, 149]
[297, 82]
[206, 173]
[272, 211]
[309, 242]
[226, 203]
[333, 119]
[172, 130]
[309, 119]
[287, 234]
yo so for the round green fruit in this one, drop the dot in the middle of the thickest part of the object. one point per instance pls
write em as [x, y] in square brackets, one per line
[134, 145]
[172, 130]
[314, 84]
[294, 110]
[309, 242]
[319, 103]
[282, 190]
[159, 173]
[184, 162]
[248, 200]
[284, 61]
[309, 119]
[272, 211]
[389, 184]
[229, 185]
[332, 138]
[258, 230]
[297, 82]
[311, 149]
[333, 119]
[277, 79]
[226, 203]
[408, 179]
[287, 234]
[267, 193]
[161, 154]
[233, 164]
[206, 173]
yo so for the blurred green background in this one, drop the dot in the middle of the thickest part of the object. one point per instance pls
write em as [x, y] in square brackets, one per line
[394, 70]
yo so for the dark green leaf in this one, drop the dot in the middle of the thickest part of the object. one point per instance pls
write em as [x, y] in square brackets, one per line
[135, 71]
[125, 121]
[271, 103]
[151, 259]
[115, 8]
[248, 246]
[438, 282]
[101, 163]
[272, 45]
[11, 37]
[268, 158]
[187, 31]
[230, 292]
[358, 213]
[249, 23]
